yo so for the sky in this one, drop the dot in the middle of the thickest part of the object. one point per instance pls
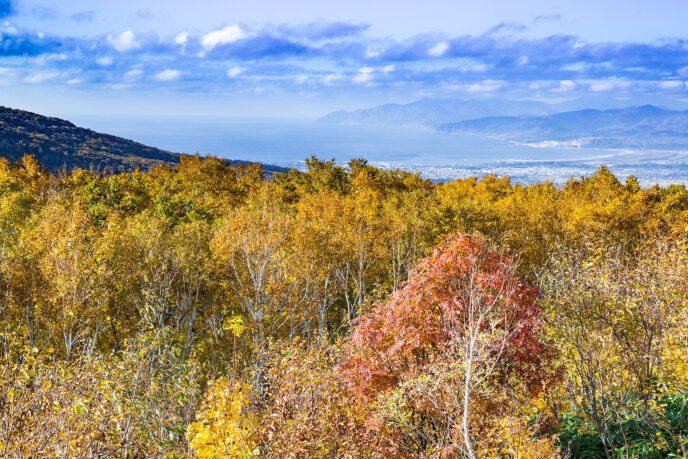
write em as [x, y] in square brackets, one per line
[305, 58]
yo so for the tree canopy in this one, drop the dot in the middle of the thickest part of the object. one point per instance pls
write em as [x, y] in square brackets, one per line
[202, 309]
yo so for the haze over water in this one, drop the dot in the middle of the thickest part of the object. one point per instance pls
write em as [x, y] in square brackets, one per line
[288, 143]
[436, 155]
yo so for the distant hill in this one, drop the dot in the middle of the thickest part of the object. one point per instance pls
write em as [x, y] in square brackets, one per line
[643, 127]
[59, 144]
[433, 112]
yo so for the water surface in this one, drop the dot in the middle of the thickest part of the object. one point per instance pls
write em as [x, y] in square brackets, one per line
[290, 142]
[437, 156]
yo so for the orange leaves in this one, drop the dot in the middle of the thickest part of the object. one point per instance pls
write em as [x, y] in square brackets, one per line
[462, 324]
[307, 410]
[416, 326]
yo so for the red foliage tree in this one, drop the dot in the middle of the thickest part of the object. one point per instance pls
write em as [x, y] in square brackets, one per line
[463, 310]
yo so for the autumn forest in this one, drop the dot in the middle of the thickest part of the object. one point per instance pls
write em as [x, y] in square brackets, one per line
[211, 310]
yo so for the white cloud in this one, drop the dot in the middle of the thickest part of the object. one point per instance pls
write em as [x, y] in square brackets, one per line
[182, 38]
[235, 71]
[365, 74]
[374, 51]
[486, 86]
[75, 81]
[576, 66]
[105, 61]
[8, 29]
[123, 42]
[606, 85]
[331, 79]
[602, 86]
[133, 75]
[167, 75]
[229, 34]
[671, 84]
[474, 68]
[41, 77]
[564, 86]
[523, 60]
[49, 57]
[439, 49]
[301, 79]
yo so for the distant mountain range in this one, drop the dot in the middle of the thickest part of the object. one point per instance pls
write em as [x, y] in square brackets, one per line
[59, 144]
[570, 123]
[644, 127]
[433, 112]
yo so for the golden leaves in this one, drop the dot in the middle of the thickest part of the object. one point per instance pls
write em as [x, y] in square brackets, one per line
[225, 426]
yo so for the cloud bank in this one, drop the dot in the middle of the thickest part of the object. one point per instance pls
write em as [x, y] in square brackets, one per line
[320, 56]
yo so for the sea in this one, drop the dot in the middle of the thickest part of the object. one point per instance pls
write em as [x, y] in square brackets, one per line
[436, 156]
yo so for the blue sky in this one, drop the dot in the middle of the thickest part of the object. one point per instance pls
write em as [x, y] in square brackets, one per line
[304, 58]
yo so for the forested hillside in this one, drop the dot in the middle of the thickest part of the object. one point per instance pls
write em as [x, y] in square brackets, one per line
[200, 310]
[60, 145]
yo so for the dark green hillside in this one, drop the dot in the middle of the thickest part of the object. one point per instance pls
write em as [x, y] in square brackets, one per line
[59, 144]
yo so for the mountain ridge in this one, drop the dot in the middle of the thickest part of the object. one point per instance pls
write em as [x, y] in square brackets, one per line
[59, 144]
[431, 112]
[645, 127]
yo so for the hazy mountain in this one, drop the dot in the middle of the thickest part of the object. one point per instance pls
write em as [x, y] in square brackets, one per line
[59, 144]
[644, 127]
[610, 103]
[433, 112]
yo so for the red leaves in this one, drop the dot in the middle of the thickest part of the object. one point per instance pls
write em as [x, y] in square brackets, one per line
[422, 320]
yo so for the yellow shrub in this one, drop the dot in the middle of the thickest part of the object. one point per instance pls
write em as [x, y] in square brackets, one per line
[224, 427]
